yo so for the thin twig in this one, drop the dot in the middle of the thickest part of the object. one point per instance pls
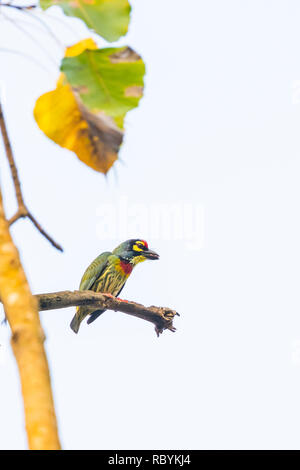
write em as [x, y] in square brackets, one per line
[161, 317]
[32, 8]
[22, 208]
[32, 39]
[18, 7]
[31, 58]
[64, 22]
[10, 158]
[42, 232]
[42, 26]
[45, 26]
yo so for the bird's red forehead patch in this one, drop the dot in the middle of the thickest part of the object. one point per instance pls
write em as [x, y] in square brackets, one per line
[145, 243]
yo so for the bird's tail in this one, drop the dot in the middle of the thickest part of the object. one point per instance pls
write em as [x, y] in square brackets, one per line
[94, 316]
[77, 319]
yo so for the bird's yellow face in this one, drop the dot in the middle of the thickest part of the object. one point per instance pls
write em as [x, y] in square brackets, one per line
[134, 251]
[139, 247]
[138, 259]
[142, 252]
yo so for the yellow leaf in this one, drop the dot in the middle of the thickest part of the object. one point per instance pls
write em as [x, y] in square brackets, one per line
[80, 46]
[86, 111]
[61, 115]
[94, 138]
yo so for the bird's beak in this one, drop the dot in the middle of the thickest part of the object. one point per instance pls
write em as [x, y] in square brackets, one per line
[149, 254]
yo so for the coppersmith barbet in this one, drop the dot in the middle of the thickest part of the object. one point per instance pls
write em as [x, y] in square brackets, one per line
[108, 274]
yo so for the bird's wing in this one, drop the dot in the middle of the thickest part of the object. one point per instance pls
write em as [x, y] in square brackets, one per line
[94, 270]
[120, 290]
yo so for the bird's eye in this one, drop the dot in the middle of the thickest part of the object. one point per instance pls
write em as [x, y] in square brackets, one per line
[142, 245]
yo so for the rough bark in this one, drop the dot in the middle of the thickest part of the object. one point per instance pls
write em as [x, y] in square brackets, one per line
[161, 317]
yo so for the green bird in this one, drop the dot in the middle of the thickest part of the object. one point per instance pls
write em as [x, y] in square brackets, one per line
[108, 274]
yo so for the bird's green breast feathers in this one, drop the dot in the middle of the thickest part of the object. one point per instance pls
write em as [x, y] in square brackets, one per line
[105, 273]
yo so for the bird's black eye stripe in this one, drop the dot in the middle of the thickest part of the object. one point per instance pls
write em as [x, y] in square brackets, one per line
[142, 245]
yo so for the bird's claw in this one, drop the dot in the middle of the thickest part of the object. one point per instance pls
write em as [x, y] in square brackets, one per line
[122, 300]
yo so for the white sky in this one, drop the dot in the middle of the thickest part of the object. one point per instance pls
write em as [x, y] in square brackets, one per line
[218, 131]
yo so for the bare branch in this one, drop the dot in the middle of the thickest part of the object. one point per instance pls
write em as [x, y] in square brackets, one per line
[32, 38]
[22, 208]
[45, 27]
[42, 232]
[30, 58]
[11, 161]
[18, 7]
[161, 317]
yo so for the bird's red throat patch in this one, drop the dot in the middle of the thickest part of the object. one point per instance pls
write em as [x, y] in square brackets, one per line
[126, 267]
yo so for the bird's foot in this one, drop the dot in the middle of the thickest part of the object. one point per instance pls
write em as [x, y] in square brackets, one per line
[113, 297]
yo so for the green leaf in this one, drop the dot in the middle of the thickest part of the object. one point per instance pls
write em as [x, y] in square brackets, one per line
[86, 110]
[108, 18]
[108, 80]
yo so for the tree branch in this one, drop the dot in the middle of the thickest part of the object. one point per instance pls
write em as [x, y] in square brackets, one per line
[27, 343]
[22, 211]
[161, 317]
[18, 7]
